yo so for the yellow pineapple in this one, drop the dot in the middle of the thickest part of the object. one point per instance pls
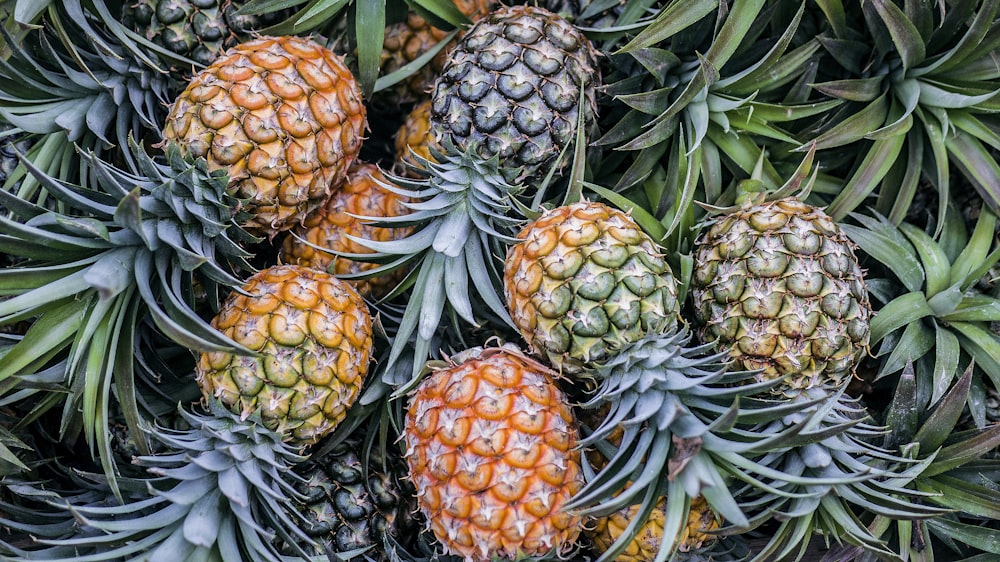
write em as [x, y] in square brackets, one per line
[282, 116]
[313, 336]
[645, 545]
[332, 225]
[491, 445]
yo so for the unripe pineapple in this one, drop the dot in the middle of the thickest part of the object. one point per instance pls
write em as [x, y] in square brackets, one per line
[777, 284]
[313, 336]
[199, 30]
[331, 226]
[414, 137]
[491, 445]
[645, 545]
[512, 87]
[584, 281]
[283, 116]
[354, 498]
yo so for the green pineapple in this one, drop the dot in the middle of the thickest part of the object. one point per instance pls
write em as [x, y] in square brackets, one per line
[195, 30]
[356, 497]
[517, 85]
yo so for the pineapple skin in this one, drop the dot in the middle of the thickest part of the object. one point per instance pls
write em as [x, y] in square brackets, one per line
[330, 225]
[491, 446]
[283, 116]
[405, 41]
[512, 86]
[584, 281]
[778, 285]
[353, 501]
[645, 545]
[414, 134]
[313, 334]
[199, 30]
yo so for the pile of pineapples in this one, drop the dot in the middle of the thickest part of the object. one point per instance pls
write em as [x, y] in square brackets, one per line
[408, 280]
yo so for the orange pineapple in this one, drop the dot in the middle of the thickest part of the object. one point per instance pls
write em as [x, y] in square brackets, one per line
[415, 134]
[330, 226]
[491, 444]
[282, 116]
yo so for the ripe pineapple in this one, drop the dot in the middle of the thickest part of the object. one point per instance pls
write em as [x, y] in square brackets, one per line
[645, 544]
[199, 30]
[415, 135]
[778, 285]
[356, 496]
[491, 445]
[584, 281]
[332, 226]
[283, 116]
[512, 87]
[313, 334]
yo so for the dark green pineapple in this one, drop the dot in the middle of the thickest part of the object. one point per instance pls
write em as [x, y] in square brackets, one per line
[356, 500]
[198, 30]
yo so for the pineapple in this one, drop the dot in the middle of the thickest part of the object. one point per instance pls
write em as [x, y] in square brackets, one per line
[283, 116]
[407, 40]
[356, 496]
[197, 30]
[512, 87]
[644, 546]
[415, 135]
[584, 281]
[777, 284]
[491, 446]
[311, 335]
[334, 227]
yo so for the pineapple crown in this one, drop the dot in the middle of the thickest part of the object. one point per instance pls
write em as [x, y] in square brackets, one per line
[828, 467]
[224, 489]
[79, 81]
[465, 215]
[116, 258]
[755, 190]
[687, 420]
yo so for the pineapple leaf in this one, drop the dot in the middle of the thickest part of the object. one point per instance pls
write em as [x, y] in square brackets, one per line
[901, 415]
[947, 351]
[671, 20]
[905, 36]
[983, 538]
[370, 25]
[942, 420]
[255, 7]
[977, 165]
[903, 310]
[955, 493]
[873, 168]
[982, 345]
[852, 89]
[915, 342]
[853, 128]
[976, 251]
